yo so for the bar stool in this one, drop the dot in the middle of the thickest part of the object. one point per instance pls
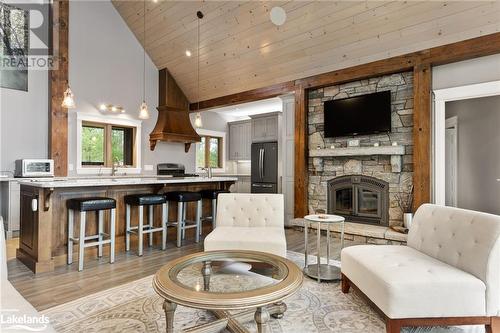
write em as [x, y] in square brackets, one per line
[183, 198]
[84, 205]
[212, 195]
[141, 200]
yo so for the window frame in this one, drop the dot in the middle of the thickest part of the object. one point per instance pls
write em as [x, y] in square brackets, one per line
[108, 123]
[222, 148]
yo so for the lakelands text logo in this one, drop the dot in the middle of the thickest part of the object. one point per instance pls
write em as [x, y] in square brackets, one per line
[24, 36]
[13, 320]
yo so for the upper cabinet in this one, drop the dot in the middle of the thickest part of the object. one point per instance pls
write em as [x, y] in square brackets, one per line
[240, 140]
[265, 128]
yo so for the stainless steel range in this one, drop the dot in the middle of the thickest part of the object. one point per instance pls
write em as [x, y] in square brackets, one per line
[173, 170]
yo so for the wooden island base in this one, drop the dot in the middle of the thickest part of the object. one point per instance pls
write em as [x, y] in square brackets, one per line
[44, 231]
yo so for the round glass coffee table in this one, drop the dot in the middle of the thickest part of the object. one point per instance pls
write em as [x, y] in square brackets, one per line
[319, 271]
[224, 281]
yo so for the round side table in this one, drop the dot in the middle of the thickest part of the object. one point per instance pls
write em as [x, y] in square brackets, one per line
[322, 272]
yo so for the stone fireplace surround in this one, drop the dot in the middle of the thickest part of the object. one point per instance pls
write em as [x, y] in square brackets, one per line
[392, 164]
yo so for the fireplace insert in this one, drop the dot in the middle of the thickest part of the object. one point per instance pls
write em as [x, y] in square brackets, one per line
[359, 198]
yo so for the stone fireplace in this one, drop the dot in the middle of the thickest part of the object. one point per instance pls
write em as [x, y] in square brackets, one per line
[381, 164]
[359, 198]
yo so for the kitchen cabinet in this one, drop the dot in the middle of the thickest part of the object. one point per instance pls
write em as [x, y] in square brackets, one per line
[10, 206]
[265, 128]
[240, 140]
[242, 185]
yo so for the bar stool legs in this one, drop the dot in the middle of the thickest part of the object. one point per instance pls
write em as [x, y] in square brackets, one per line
[181, 225]
[81, 240]
[100, 241]
[149, 228]
[164, 223]
[140, 230]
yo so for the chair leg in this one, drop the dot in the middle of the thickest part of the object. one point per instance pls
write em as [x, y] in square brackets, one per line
[198, 221]
[150, 217]
[392, 326]
[127, 228]
[214, 213]
[345, 286]
[100, 217]
[112, 237]
[81, 240]
[494, 327]
[184, 213]
[70, 235]
[164, 224]
[140, 230]
[180, 209]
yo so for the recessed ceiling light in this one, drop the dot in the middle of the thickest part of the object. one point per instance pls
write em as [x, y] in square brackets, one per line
[278, 16]
[188, 53]
[103, 107]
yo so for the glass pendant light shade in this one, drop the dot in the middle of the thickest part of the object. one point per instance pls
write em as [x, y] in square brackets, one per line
[197, 121]
[144, 112]
[68, 99]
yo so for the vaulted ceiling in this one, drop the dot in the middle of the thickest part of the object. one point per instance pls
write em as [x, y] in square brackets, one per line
[240, 49]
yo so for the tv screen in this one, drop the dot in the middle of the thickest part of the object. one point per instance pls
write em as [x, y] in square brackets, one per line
[365, 114]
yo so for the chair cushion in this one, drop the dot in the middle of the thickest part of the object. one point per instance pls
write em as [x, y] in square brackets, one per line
[89, 204]
[183, 196]
[405, 283]
[264, 239]
[211, 194]
[144, 199]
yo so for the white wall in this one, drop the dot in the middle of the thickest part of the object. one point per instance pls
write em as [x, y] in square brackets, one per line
[478, 70]
[106, 66]
[478, 154]
[24, 121]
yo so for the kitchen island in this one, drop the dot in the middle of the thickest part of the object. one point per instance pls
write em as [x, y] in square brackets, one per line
[44, 216]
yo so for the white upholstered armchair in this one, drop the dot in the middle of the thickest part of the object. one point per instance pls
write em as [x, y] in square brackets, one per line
[249, 222]
[449, 274]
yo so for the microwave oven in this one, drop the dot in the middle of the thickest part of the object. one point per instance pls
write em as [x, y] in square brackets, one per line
[28, 168]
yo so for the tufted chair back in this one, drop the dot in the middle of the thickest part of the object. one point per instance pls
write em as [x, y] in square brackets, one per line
[250, 210]
[464, 239]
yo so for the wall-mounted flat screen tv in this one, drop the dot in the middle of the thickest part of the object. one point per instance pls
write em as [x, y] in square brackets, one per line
[359, 115]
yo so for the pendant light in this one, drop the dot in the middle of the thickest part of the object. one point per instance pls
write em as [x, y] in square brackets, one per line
[197, 121]
[68, 99]
[143, 111]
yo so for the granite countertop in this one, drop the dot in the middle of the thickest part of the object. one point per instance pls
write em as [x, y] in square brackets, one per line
[110, 181]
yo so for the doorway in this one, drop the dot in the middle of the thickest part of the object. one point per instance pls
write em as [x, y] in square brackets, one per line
[465, 155]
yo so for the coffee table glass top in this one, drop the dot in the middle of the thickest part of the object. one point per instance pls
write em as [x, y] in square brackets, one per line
[229, 275]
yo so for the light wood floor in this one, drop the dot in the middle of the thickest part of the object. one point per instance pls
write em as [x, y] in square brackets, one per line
[66, 283]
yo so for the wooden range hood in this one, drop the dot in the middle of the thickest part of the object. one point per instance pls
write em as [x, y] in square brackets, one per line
[173, 124]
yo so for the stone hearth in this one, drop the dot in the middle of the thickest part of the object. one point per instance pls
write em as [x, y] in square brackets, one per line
[387, 164]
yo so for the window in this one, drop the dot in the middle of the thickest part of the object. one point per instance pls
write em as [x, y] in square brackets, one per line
[106, 145]
[209, 152]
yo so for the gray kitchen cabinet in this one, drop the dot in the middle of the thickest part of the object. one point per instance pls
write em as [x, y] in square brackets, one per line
[240, 140]
[265, 128]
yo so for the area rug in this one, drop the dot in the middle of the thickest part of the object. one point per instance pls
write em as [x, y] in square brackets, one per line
[135, 307]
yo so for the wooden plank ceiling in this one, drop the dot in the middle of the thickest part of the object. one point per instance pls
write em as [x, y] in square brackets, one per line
[240, 49]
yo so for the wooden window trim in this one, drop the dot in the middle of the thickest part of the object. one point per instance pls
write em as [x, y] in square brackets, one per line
[108, 127]
[207, 151]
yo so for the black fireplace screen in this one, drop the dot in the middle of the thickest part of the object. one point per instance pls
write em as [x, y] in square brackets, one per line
[360, 199]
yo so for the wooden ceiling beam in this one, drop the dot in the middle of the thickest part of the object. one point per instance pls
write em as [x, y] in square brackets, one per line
[245, 96]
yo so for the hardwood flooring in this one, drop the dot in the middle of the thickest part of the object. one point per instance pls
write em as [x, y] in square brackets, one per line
[66, 283]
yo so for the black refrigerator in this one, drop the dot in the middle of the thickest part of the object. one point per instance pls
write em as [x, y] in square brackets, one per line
[265, 167]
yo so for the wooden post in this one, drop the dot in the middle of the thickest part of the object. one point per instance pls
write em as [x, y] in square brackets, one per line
[422, 134]
[58, 82]
[301, 152]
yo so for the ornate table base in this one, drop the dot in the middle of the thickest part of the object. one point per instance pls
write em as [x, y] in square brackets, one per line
[229, 321]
